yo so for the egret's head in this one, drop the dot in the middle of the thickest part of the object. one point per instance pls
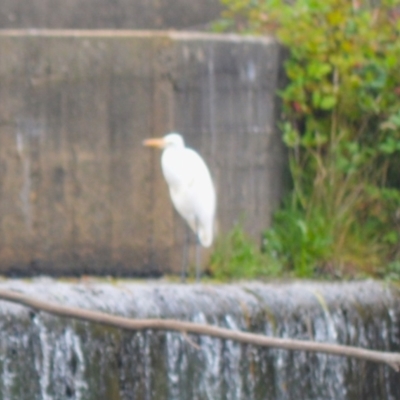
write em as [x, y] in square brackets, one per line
[171, 140]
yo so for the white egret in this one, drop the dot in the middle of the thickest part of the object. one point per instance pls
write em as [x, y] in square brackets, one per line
[191, 189]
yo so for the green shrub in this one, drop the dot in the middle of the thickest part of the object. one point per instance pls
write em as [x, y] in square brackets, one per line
[342, 127]
[237, 257]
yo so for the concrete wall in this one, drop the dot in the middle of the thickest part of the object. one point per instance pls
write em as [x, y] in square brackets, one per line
[78, 192]
[107, 14]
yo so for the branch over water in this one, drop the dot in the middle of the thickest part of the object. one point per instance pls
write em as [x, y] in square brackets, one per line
[392, 359]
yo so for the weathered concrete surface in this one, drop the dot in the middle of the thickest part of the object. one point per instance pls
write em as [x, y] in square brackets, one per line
[78, 192]
[107, 14]
[44, 357]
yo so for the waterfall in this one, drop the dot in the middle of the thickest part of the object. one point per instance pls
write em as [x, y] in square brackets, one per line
[49, 358]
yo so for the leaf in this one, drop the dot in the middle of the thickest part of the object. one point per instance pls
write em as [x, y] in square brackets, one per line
[291, 136]
[318, 70]
[389, 146]
[316, 98]
[391, 237]
[327, 102]
[303, 227]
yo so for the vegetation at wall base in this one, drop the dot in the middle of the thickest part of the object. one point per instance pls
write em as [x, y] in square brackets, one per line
[341, 124]
[236, 256]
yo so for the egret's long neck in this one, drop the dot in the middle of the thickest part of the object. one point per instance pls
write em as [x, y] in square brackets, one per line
[172, 162]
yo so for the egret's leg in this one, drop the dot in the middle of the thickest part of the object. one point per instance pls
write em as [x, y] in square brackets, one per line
[185, 253]
[198, 254]
[198, 260]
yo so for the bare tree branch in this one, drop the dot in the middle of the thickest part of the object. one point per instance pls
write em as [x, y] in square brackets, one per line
[392, 359]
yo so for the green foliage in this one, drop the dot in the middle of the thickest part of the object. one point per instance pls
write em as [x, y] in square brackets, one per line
[298, 241]
[342, 127]
[236, 256]
[392, 271]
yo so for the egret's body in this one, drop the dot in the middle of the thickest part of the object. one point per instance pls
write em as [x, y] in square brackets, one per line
[190, 185]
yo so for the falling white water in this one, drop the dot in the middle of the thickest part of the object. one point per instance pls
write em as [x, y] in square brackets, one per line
[74, 360]
[42, 361]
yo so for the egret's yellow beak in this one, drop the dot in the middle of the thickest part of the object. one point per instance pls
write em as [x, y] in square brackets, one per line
[154, 142]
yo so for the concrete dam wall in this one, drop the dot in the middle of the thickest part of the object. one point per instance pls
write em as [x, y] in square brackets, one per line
[49, 358]
[107, 14]
[78, 192]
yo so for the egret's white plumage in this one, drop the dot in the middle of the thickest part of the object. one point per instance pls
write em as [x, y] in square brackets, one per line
[190, 185]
